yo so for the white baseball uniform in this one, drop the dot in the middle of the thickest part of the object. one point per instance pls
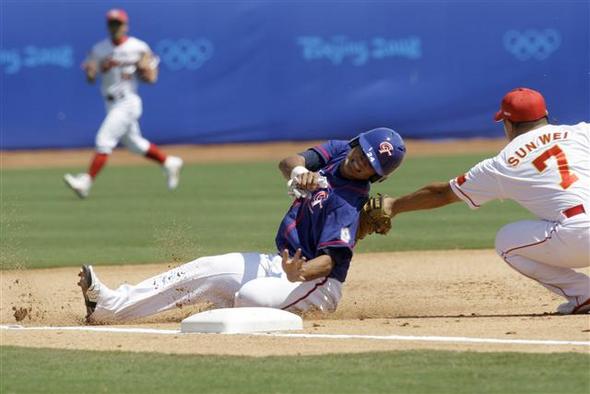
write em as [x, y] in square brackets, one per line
[234, 279]
[547, 171]
[119, 90]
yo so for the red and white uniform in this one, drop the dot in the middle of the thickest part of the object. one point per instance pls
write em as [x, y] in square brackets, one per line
[119, 89]
[116, 62]
[547, 171]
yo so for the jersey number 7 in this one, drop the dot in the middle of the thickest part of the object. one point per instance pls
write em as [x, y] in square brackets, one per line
[567, 177]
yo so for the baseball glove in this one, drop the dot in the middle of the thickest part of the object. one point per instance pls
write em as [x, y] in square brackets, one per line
[373, 218]
[146, 67]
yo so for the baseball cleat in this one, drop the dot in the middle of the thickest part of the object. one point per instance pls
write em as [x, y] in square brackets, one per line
[172, 167]
[572, 308]
[80, 184]
[90, 288]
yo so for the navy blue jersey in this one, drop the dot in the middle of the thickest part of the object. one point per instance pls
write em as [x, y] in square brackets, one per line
[327, 221]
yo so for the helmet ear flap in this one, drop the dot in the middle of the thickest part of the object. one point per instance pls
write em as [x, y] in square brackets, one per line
[356, 142]
[377, 178]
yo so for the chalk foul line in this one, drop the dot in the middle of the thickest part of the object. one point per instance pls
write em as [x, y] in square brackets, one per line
[409, 338]
[125, 330]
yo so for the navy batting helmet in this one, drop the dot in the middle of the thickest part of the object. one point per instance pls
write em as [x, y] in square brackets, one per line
[384, 148]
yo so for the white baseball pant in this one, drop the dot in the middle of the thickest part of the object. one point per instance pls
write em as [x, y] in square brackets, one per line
[122, 125]
[230, 280]
[548, 251]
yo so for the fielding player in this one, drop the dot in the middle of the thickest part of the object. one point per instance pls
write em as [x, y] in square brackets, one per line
[122, 61]
[315, 242]
[546, 169]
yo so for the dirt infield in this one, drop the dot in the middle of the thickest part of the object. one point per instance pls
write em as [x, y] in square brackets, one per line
[227, 153]
[439, 293]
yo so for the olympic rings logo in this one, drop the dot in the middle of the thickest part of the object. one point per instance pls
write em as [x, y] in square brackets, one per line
[184, 53]
[532, 43]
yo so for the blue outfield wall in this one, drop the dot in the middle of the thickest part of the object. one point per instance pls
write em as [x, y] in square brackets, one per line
[238, 71]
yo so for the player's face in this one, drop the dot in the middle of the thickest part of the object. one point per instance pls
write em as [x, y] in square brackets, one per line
[356, 165]
[117, 29]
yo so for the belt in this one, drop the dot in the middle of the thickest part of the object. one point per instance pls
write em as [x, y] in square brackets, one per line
[573, 211]
[113, 97]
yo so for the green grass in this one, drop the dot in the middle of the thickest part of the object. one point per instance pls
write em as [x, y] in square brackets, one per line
[65, 371]
[130, 217]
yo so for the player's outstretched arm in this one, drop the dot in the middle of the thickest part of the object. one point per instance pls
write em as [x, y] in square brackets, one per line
[300, 270]
[434, 195]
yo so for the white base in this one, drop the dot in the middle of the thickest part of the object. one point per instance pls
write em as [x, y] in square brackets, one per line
[241, 320]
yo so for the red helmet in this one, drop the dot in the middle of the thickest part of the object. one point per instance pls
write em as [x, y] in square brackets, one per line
[522, 105]
[117, 15]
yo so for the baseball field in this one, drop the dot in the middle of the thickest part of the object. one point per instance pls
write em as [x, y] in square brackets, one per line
[429, 308]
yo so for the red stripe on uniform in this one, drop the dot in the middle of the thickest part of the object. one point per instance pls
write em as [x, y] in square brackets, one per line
[536, 280]
[505, 258]
[533, 244]
[323, 152]
[294, 223]
[307, 294]
[467, 197]
[461, 179]
[581, 305]
[573, 211]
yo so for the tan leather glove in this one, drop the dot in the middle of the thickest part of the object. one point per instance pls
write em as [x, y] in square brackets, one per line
[373, 218]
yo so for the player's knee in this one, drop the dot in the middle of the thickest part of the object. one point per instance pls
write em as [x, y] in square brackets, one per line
[249, 296]
[244, 299]
[259, 293]
[104, 145]
[137, 146]
[502, 242]
[104, 149]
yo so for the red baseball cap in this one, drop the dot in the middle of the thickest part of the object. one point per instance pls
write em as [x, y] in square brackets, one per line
[522, 105]
[117, 15]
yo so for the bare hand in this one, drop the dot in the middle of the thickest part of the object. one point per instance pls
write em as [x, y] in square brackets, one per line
[144, 62]
[308, 181]
[293, 267]
[147, 68]
[90, 68]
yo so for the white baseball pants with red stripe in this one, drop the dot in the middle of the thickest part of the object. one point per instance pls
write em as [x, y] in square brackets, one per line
[548, 252]
[234, 279]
